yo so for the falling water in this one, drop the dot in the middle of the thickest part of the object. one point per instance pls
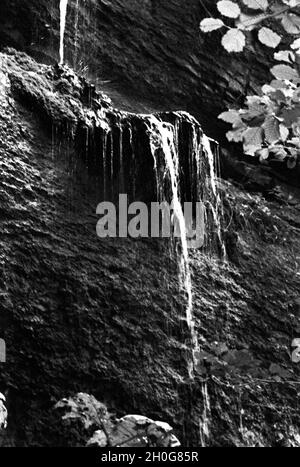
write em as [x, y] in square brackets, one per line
[217, 206]
[162, 136]
[111, 162]
[211, 161]
[104, 150]
[76, 32]
[204, 420]
[63, 15]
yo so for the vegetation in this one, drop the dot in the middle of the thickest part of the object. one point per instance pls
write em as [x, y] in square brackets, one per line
[269, 124]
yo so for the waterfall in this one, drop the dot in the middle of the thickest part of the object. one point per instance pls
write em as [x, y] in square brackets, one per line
[163, 136]
[104, 150]
[76, 33]
[216, 208]
[204, 420]
[63, 15]
[211, 161]
[111, 163]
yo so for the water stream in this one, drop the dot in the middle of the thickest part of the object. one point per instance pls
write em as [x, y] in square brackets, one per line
[216, 207]
[76, 33]
[164, 144]
[163, 136]
[63, 15]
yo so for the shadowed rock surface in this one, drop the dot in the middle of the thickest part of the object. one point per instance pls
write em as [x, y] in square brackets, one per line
[106, 317]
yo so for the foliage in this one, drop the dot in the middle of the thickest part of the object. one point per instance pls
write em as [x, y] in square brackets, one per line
[269, 124]
[3, 412]
[128, 431]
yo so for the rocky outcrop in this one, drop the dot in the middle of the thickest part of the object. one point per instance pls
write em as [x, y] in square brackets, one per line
[85, 414]
[148, 54]
[106, 317]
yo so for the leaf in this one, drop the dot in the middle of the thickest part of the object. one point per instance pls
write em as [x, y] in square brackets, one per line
[252, 140]
[236, 136]
[296, 342]
[229, 9]
[3, 412]
[291, 164]
[290, 116]
[232, 116]
[278, 84]
[249, 22]
[292, 3]
[278, 152]
[256, 4]
[291, 23]
[271, 129]
[269, 37]
[267, 89]
[296, 44]
[278, 96]
[211, 24]
[263, 154]
[99, 439]
[283, 72]
[284, 132]
[234, 41]
[284, 56]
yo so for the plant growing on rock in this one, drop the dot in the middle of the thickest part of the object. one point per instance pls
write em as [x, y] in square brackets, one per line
[3, 412]
[269, 124]
[128, 431]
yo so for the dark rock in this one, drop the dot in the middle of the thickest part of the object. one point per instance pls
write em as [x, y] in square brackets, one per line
[107, 317]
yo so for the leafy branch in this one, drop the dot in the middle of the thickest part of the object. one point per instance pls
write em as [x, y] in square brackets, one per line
[269, 125]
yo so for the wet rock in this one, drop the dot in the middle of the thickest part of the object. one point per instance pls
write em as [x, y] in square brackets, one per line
[106, 317]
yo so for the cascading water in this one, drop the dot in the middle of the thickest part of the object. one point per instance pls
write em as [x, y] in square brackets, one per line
[76, 33]
[163, 136]
[165, 139]
[204, 421]
[63, 15]
[215, 209]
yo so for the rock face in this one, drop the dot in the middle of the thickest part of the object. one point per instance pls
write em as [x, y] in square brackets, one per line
[150, 51]
[106, 317]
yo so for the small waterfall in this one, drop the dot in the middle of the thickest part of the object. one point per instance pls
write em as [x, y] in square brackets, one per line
[76, 33]
[216, 207]
[211, 161]
[121, 162]
[111, 162]
[163, 136]
[63, 15]
[104, 151]
[204, 420]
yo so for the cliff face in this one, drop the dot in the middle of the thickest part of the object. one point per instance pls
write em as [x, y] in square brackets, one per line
[149, 51]
[106, 317]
